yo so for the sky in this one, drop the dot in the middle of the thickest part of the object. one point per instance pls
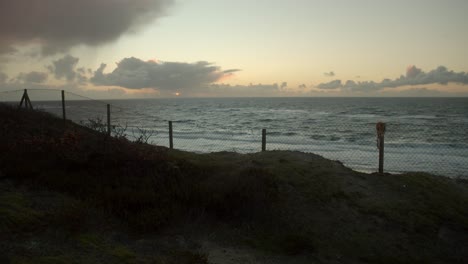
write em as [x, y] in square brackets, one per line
[217, 48]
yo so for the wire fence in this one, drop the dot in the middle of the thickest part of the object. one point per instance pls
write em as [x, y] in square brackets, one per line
[436, 148]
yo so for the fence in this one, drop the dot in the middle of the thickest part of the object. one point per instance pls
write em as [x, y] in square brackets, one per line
[213, 125]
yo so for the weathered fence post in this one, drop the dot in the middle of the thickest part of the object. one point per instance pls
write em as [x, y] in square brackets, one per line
[22, 98]
[25, 99]
[380, 127]
[264, 139]
[108, 120]
[63, 106]
[171, 142]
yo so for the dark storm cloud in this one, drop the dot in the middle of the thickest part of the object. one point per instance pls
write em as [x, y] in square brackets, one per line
[57, 25]
[33, 77]
[413, 76]
[64, 68]
[329, 74]
[5, 48]
[133, 73]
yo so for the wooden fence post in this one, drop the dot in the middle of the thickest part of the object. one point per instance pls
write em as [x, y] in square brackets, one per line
[22, 98]
[25, 99]
[63, 106]
[380, 127]
[108, 120]
[264, 139]
[381, 154]
[171, 142]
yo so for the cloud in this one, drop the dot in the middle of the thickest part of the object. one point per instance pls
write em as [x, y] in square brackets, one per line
[231, 71]
[3, 77]
[64, 68]
[133, 73]
[81, 70]
[414, 76]
[57, 25]
[329, 74]
[335, 84]
[412, 71]
[32, 77]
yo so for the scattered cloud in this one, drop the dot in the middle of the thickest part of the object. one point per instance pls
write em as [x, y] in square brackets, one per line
[335, 84]
[32, 77]
[64, 68]
[81, 70]
[133, 73]
[412, 71]
[329, 74]
[414, 76]
[284, 85]
[57, 25]
[134, 77]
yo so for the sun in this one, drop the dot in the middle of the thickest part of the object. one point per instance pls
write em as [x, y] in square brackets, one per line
[177, 94]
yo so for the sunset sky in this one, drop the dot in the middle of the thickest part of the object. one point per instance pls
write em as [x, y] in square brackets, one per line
[157, 48]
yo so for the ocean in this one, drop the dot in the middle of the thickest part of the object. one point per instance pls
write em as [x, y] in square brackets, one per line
[422, 134]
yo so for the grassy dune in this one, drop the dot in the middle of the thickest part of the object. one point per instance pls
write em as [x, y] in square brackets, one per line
[69, 194]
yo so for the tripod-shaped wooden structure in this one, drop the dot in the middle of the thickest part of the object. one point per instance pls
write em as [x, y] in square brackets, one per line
[25, 100]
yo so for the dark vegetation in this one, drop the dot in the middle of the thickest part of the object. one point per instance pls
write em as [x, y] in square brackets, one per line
[71, 194]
